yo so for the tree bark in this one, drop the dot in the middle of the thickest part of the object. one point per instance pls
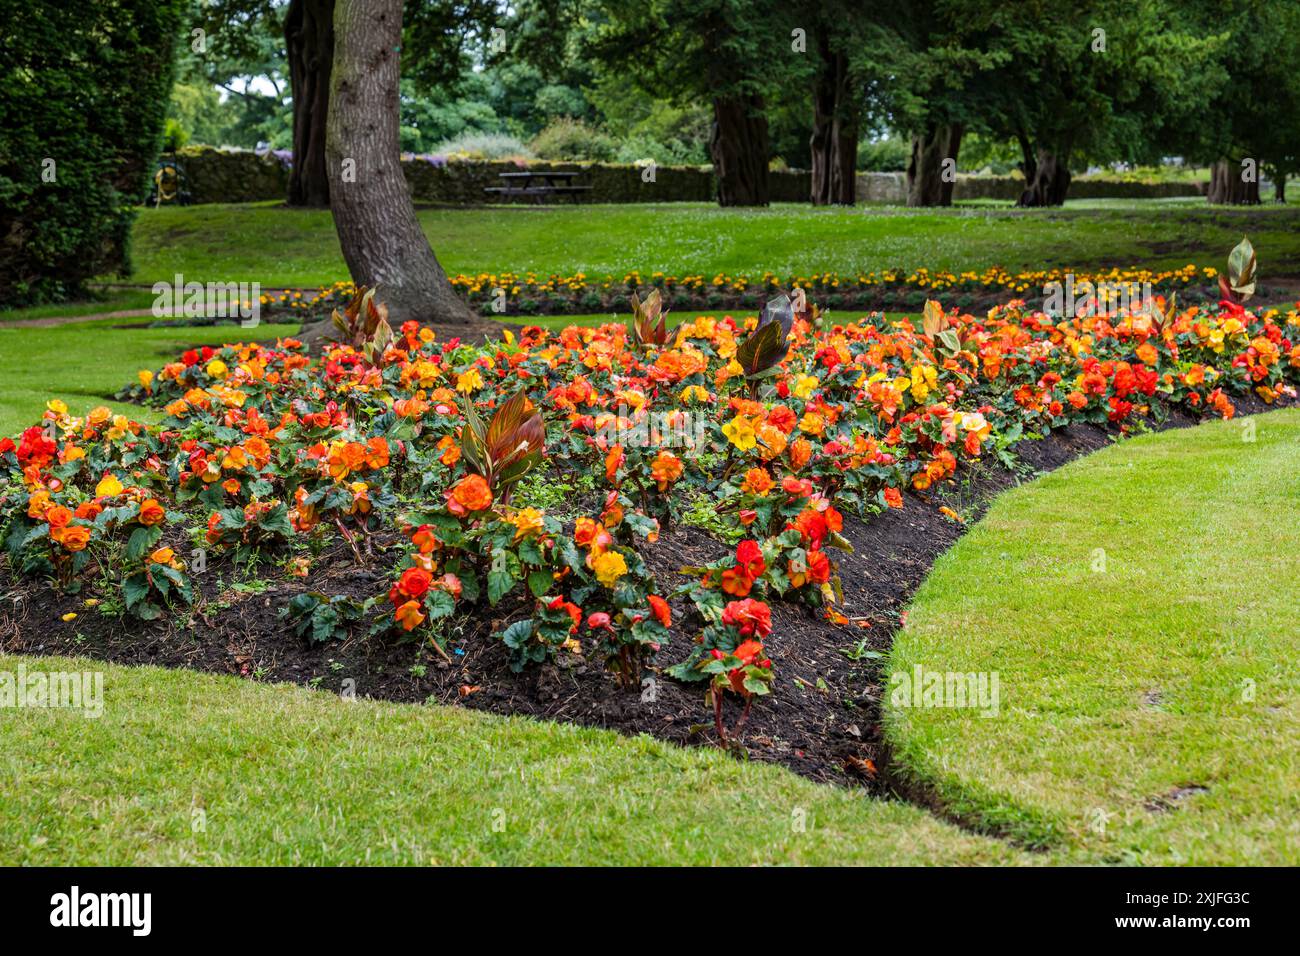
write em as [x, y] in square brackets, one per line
[1048, 179]
[309, 43]
[834, 140]
[1279, 188]
[1227, 188]
[738, 145]
[378, 231]
[926, 184]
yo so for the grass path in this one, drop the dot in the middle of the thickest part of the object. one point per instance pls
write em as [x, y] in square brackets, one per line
[284, 775]
[1141, 609]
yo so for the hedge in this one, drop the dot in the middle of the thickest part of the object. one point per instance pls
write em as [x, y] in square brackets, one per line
[241, 176]
[232, 175]
[83, 93]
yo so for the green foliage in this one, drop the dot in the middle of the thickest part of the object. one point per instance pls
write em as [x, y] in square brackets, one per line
[886, 155]
[483, 146]
[83, 93]
[573, 140]
[552, 492]
[321, 617]
[219, 98]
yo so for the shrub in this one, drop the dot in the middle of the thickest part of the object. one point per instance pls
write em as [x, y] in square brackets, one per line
[83, 93]
[570, 139]
[484, 146]
[889, 155]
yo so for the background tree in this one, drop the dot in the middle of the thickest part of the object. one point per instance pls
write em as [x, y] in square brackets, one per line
[231, 86]
[839, 29]
[299, 37]
[1088, 80]
[378, 231]
[732, 53]
[1252, 122]
[309, 50]
[918, 61]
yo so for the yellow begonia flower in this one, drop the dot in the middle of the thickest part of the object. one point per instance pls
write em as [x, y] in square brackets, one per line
[217, 368]
[740, 432]
[108, 487]
[804, 385]
[609, 567]
[924, 378]
[469, 381]
[527, 522]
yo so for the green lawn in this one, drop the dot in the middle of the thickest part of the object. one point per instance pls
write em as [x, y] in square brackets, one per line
[83, 363]
[1126, 685]
[287, 247]
[284, 775]
[112, 300]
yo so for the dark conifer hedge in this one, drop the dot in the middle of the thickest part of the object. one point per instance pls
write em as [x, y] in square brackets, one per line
[83, 94]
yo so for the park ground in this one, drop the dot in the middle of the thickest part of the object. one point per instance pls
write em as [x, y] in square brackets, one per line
[1150, 711]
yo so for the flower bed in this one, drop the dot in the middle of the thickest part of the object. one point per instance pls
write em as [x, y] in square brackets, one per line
[523, 294]
[431, 469]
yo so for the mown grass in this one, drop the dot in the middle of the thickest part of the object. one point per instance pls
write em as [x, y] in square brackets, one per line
[1141, 608]
[284, 775]
[278, 246]
[109, 300]
[84, 363]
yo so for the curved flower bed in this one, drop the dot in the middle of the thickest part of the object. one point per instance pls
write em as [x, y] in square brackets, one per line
[412, 451]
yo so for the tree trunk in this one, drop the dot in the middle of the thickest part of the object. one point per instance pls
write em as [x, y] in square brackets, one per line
[926, 182]
[378, 231]
[1048, 178]
[738, 145]
[309, 42]
[1279, 187]
[1227, 188]
[834, 140]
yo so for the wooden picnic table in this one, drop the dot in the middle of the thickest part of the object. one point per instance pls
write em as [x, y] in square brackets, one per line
[539, 183]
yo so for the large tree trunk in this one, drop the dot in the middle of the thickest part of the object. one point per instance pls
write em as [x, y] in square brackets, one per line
[738, 145]
[1279, 187]
[834, 140]
[1227, 188]
[309, 42]
[1047, 176]
[378, 231]
[926, 184]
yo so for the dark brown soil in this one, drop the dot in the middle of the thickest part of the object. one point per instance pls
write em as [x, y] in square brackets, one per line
[821, 719]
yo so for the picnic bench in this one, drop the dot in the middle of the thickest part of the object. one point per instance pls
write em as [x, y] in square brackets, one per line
[539, 184]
